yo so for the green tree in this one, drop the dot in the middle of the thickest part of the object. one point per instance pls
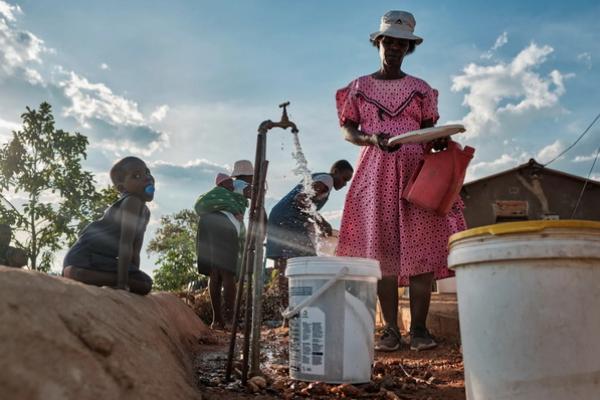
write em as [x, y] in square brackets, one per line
[175, 245]
[53, 197]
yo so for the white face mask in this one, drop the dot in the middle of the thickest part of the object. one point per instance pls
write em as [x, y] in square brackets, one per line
[239, 186]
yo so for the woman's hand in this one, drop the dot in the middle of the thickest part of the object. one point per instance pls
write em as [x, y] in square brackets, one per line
[440, 144]
[381, 141]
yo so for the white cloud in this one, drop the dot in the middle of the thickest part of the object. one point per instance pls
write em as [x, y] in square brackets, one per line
[96, 100]
[483, 168]
[549, 152]
[586, 59]
[507, 89]
[500, 41]
[18, 48]
[6, 127]
[7, 11]
[113, 121]
[159, 113]
[104, 66]
[9, 125]
[584, 158]
[116, 120]
[33, 76]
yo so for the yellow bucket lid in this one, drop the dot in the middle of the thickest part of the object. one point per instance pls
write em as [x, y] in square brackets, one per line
[524, 227]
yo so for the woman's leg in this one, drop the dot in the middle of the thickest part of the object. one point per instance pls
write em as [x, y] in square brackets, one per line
[228, 296]
[387, 292]
[225, 249]
[420, 298]
[214, 289]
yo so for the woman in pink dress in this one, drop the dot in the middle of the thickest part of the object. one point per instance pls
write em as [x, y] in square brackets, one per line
[409, 242]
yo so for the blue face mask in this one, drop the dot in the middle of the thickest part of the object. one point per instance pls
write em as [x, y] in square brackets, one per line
[149, 189]
[239, 186]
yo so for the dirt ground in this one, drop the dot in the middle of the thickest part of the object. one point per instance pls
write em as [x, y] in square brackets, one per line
[429, 375]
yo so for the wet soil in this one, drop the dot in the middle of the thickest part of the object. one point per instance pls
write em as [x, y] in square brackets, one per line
[428, 375]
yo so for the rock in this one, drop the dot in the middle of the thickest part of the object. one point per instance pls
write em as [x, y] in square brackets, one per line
[388, 382]
[66, 340]
[259, 381]
[349, 390]
[252, 387]
[318, 388]
[389, 395]
[378, 367]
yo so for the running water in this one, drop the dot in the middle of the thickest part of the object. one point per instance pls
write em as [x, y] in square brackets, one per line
[303, 171]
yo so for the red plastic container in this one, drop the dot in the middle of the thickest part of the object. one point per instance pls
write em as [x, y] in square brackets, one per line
[436, 184]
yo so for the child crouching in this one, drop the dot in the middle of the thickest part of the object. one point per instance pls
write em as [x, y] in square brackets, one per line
[107, 252]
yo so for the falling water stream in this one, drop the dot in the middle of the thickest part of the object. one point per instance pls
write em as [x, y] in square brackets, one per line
[303, 171]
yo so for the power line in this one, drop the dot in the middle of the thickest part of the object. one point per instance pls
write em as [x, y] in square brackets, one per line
[586, 182]
[574, 143]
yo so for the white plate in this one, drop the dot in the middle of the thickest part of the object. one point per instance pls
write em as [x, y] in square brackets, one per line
[426, 135]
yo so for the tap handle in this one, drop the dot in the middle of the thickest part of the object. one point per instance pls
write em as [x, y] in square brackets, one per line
[284, 116]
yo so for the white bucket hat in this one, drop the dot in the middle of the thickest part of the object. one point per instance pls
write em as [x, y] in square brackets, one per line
[242, 167]
[397, 24]
[326, 179]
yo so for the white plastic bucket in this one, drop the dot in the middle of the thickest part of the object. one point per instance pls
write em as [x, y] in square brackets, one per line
[332, 318]
[529, 309]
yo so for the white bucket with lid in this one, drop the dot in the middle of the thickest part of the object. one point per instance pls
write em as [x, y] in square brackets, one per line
[529, 309]
[332, 318]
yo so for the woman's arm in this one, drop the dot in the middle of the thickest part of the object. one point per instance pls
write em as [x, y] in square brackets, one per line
[355, 136]
[130, 214]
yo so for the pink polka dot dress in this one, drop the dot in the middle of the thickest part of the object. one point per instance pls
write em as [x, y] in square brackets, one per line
[377, 223]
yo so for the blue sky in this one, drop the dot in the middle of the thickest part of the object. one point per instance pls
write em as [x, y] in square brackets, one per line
[184, 84]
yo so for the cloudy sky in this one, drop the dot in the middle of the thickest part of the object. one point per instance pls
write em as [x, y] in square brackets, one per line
[185, 84]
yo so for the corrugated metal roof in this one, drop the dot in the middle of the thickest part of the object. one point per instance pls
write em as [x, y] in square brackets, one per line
[533, 164]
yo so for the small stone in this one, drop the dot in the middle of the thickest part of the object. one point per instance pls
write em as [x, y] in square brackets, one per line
[378, 367]
[259, 381]
[252, 387]
[388, 382]
[389, 395]
[318, 388]
[349, 390]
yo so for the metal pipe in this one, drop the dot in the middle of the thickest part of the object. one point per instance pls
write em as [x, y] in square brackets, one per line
[257, 196]
[245, 272]
[258, 276]
[253, 256]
